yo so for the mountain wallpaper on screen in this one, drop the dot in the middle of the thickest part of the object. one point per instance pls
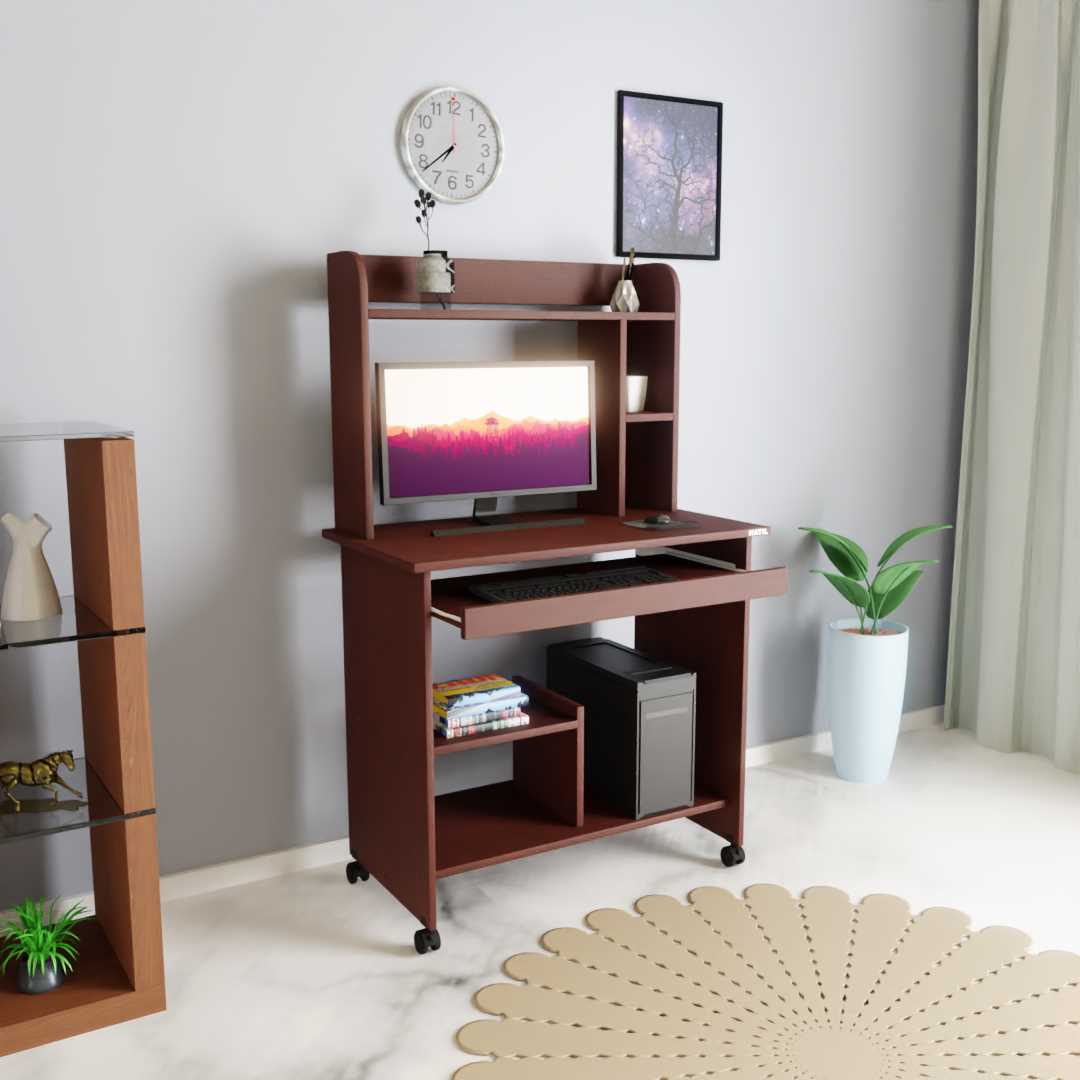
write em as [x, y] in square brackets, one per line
[488, 453]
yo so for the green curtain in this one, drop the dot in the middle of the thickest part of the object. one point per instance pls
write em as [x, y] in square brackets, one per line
[1014, 647]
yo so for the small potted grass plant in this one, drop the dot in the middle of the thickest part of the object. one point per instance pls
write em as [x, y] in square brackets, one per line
[43, 944]
[866, 656]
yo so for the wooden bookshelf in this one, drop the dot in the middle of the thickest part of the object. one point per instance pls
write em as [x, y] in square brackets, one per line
[120, 973]
[399, 831]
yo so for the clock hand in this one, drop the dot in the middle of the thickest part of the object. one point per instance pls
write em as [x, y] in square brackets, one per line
[447, 151]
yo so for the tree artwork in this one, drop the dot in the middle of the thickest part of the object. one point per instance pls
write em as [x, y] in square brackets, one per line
[670, 176]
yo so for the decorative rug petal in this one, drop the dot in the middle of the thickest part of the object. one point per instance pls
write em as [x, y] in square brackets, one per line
[772, 987]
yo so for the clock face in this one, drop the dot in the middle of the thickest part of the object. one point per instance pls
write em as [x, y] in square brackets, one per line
[451, 144]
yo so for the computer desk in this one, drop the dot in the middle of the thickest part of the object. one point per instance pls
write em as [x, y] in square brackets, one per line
[399, 830]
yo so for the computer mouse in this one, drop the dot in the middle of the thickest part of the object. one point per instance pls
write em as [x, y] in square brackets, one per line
[658, 519]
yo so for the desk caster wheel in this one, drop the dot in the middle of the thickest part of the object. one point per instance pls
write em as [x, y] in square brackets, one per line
[355, 872]
[733, 855]
[427, 941]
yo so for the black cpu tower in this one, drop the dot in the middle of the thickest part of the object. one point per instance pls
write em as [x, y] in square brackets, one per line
[639, 724]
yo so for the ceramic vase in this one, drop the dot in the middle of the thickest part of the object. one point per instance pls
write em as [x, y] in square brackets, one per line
[41, 982]
[863, 699]
[29, 590]
[435, 273]
[625, 297]
[637, 386]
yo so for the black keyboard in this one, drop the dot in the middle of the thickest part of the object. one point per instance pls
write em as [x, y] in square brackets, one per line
[571, 584]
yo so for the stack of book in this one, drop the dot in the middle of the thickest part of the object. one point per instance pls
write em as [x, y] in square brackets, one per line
[478, 704]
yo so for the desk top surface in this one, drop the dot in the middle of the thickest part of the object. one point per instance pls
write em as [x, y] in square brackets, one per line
[410, 545]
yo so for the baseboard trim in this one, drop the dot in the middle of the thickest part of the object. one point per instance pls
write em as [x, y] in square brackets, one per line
[249, 871]
[205, 879]
[820, 742]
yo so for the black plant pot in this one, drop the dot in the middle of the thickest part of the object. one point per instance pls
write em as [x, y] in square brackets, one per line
[42, 981]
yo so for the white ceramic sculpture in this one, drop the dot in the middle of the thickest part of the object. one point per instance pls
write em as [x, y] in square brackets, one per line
[29, 590]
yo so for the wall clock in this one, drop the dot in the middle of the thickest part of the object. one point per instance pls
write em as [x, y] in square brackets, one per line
[451, 144]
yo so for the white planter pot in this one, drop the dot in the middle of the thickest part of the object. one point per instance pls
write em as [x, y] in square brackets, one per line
[864, 697]
[435, 273]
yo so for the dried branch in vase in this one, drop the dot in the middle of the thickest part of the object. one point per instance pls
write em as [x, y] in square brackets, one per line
[425, 203]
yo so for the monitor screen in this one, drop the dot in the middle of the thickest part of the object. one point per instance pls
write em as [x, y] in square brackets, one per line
[464, 430]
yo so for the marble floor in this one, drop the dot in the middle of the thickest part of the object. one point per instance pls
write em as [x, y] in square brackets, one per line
[305, 977]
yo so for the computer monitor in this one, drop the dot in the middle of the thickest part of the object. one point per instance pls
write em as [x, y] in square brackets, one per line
[479, 430]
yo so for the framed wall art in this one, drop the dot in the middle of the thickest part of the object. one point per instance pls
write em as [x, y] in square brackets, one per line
[668, 176]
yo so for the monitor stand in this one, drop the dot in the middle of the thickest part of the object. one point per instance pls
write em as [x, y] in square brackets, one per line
[484, 519]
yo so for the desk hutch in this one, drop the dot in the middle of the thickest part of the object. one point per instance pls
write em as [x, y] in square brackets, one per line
[398, 829]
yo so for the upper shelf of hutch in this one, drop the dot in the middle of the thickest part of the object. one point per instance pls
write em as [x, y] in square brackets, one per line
[386, 286]
[509, 314]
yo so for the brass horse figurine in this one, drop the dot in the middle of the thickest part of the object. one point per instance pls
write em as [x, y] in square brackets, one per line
[41, 773]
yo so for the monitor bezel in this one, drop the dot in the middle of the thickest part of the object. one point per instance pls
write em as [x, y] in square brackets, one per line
[386, 499]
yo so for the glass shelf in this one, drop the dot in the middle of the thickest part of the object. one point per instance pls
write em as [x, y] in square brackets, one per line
[40, 816]
[74, 623]
[70, 429]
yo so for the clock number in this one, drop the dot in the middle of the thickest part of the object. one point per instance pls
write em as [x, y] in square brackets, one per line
[423, 161]
[436, 108]
[438, 175]
[482, 130]
[469, 181]
[455, 108]
[451, 182]
[485, 150]
[425, 122]
[472, 115]
[418, 139]
[481, 168]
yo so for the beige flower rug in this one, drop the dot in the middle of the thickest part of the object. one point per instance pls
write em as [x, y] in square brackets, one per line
[771, 987]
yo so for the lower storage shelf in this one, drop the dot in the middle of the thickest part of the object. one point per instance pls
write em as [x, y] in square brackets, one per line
[500, 822]
[549, 714]
[97, 994]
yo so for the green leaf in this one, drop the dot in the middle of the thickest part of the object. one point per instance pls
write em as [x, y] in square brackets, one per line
[897, 595]
[903, 538]
[852, 591]
[842, 551]
[891, 576]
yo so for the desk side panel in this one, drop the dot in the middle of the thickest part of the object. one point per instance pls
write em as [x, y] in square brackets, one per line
[350, 395]
[713, 642]
[388, 728]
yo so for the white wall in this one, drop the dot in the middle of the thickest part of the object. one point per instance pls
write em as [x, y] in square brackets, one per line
[173, 174]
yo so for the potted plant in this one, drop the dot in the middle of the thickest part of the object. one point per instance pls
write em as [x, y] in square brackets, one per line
[435, 270]
[866, 656]
[44, 946]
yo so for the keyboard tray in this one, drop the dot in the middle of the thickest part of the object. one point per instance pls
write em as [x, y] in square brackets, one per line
[695, 586]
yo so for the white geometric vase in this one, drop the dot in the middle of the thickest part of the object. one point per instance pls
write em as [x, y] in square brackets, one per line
[29, 590]
[864, 683]
[625, 297]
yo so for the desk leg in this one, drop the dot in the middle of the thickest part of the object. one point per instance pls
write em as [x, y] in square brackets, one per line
[713, 642]
[389, 744]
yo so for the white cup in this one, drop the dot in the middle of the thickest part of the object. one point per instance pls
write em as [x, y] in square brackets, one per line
[636, 388]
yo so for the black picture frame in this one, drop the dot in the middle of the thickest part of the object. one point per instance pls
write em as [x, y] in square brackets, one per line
[621, 247]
